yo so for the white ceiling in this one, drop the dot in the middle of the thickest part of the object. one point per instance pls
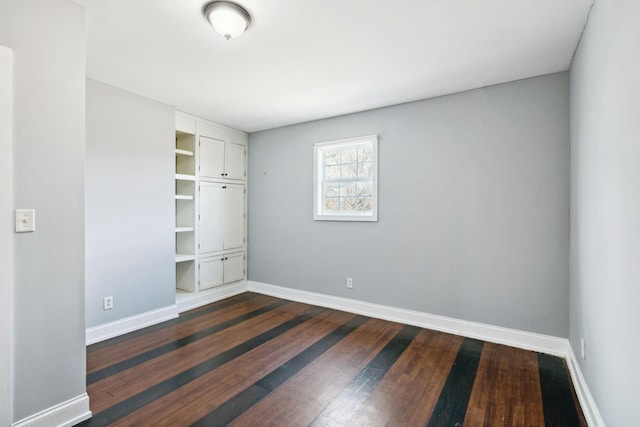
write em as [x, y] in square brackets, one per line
[307, 59]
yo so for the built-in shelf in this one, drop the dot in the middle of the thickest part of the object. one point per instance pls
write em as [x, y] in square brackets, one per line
[184, 177]
[184, 152]
[183, 229]
[185, 257]
[183, 197]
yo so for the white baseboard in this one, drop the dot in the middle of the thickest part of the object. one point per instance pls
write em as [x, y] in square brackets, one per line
[589, 408]
[189, 302]
[512, 337]
[130, 324]
[496, 334]
[65, 414]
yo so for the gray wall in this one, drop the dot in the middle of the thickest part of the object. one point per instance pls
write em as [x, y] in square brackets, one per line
[48, 38]
[129, 204]
[473, 208]
[605, 207]
[6, 233]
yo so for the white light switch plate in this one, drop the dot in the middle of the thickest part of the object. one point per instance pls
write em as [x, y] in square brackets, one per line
[25, 220]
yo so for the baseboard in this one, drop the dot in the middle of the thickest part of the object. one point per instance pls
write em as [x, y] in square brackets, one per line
[65, 414]
[130, 324]
[512, 337]
[189, 302]
[591, 413]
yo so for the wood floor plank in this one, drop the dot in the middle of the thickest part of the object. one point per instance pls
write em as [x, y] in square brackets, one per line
[451, 407]
[343, 408]
[139, 342]
[506, 390]
[164, 367]
[258, 360]
[205, 329]
[111, 343]
[408, 393]
[298, 401]
[214, 388]
[555, 384]
[241, 402]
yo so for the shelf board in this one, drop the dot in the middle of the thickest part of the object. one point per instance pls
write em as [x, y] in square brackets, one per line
[184, 257]
[183, 197]
[184, 152]
[183, 229]
[184, 177]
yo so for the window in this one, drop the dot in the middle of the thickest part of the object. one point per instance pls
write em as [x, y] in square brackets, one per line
[346, 180]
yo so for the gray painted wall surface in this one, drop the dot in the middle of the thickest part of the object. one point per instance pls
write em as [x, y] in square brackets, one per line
[48, 38]
[6, 234]
[605, 207]
[129, 204]
[473, 208]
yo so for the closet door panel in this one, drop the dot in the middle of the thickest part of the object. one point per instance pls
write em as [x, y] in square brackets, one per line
[233, 267]
[211, 272]
[233, 216]
[234, 161]
[211, 158]
[211, 217]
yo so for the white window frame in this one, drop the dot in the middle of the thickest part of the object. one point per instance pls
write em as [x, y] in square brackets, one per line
[318, 204]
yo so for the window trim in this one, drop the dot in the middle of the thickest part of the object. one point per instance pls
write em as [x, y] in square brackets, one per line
[318, 215]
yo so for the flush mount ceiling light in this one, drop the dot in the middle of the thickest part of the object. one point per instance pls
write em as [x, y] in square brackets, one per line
[228, 19]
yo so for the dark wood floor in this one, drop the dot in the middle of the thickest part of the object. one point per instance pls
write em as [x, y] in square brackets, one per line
[256, 360]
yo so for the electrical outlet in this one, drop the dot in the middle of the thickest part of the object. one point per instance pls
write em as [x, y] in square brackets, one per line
[107, 303]
[582, 348]
[349, 283]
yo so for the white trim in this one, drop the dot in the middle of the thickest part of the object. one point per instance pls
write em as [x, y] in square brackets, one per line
[512, 337]
[189, 302]
[130, 324]
[183, 303]
[589, 408]
[65, 414]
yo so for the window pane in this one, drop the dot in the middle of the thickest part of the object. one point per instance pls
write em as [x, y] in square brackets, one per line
[332, 157]
[347, 204]
[364, 153]
[347, 189]
[332, 172]
[363, 204]
[331, 204]
[349, 170]
[349, 155]
[364, 189]
[364, 169]
[331, 189]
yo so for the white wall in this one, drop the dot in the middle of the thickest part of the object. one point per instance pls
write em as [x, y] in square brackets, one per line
[129, 204]
[605, 207]
[6, 235]
[473, 214]
[48, 40]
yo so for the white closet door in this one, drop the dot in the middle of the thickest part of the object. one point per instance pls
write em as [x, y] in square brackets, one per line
[234, 161]
[233, 216]
[211, 216]
[233, 267]
[211, 158]
[211, 272]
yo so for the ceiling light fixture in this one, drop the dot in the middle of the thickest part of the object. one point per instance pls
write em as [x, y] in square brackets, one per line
[228, 19]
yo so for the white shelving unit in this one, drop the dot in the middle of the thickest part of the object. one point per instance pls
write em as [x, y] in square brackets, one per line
[185, 193]
[210, 199]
